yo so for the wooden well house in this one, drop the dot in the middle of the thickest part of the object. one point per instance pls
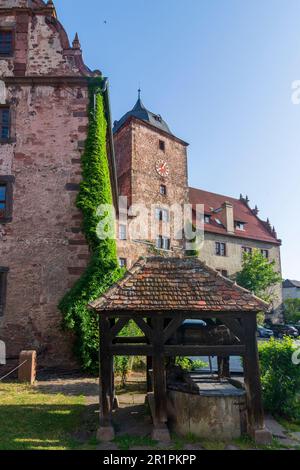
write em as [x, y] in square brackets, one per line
[159, 295]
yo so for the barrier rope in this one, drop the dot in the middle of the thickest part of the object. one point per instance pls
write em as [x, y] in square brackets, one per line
[12, 371]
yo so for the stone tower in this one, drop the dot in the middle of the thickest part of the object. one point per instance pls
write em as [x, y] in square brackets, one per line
[152, 171]
[43, 119]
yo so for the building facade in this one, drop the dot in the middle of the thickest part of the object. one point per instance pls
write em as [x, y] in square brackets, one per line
[43, 127]
[291, 289]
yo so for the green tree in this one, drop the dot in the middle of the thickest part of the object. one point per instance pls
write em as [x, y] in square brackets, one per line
[292, 310]
[280, 377]
[258, 275]
[194, 252]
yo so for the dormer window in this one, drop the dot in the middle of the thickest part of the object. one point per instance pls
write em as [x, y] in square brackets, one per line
[158, 118]
[6, 43]
[207, 219]
[240, 226]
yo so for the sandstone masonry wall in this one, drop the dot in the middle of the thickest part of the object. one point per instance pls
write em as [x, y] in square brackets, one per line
[43, 246]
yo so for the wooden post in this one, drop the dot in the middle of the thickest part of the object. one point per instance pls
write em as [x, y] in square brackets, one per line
[223, 367]
[256, 426]
[160, 432]
[149, 367]
[105, 432]
[149, 364]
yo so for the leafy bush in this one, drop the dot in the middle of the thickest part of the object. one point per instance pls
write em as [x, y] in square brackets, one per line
[280, 377]
[103, 269]
[188, 364]
[292, 310]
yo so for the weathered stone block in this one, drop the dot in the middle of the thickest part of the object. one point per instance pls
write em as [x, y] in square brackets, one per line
[28, 363]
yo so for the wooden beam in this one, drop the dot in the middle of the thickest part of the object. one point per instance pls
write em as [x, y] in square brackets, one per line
[130, 340]
[235, 327]
[131, 350]
[180, 350]
[105, 360]
[177, 350]
[172, 327]
[159, 373]
[171, 314]
[223, 367]
[146, 329]
[118, 327]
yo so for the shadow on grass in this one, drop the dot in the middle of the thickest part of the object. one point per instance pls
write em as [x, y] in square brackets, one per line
[39, 427]
[77, 389]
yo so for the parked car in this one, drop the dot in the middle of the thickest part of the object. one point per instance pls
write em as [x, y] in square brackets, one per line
[297, 326]
[263, 332]
[285, 330]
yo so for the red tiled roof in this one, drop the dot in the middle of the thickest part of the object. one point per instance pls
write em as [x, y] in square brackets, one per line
[255, 229]
[164, 284]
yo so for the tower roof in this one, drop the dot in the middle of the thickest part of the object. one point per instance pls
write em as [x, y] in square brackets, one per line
[139, 111]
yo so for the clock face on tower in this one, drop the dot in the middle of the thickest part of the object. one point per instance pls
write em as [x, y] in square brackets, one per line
[162, 168]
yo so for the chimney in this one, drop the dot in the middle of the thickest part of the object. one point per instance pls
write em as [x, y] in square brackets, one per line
[229, 219]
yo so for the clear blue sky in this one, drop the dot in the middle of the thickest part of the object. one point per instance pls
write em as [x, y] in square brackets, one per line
[220, 73]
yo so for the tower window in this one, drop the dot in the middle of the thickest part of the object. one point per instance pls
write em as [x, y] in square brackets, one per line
[122, 262]
[4, 123]
[162, 145]
[6, 193]
[122, 232]
[163, 215]
[220, 249]
[163, 243]
[6, 43]
[3, 283]
[163, 189]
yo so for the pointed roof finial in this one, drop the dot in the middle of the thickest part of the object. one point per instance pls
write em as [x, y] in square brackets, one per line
[76, 42]
[139, 93]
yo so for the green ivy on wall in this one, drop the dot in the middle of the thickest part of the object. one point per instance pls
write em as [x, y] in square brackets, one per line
[103, 269]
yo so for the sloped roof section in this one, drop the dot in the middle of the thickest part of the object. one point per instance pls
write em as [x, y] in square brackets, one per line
[254, 228]
[290, 283]
[164, 284]
[139, 111]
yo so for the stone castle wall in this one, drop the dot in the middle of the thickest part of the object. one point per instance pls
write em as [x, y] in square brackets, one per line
[43, 246]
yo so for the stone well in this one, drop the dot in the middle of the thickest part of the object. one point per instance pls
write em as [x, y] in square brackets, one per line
[216, 412]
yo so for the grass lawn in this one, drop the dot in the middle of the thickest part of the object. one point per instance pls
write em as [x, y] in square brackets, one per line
[31, 420]
[36, 421]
